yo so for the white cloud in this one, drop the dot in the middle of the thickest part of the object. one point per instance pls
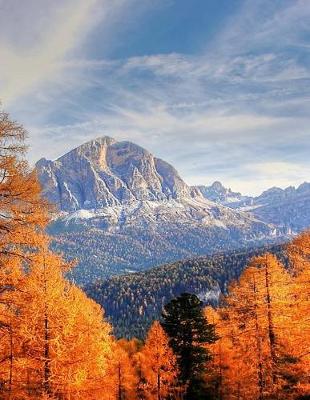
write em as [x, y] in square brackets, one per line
[243, 101]
[160, 124]
[273, 174]
[264, 24]
[41, 59]
[258, 177]
[280, 170]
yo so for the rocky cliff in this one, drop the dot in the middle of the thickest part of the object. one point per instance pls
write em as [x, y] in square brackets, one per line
[121, 208]
[104, 172]
[287, 209]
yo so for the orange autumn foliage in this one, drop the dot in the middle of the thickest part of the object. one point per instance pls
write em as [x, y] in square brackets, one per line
[299, 258]
[61, 345]
[263, 329]
[159, 365]
[122, 373]
[23, 213]
[54, 342]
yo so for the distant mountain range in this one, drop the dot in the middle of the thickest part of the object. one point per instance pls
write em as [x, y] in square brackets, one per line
[288, 209]
[121, 209]
[219, 194]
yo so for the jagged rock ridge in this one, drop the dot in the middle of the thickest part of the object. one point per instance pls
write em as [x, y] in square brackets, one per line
[121, 208]
[288, 209]
[219, 194]
[104, 172]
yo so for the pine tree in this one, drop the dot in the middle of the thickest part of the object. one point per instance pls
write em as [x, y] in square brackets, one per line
[189, 332]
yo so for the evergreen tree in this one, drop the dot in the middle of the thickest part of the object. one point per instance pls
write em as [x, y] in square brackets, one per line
[189, 332]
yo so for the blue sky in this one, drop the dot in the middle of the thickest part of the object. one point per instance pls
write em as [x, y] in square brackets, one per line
[218, 88]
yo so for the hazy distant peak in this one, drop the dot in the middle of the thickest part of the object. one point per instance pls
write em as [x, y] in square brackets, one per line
[304, 187]
[217, 185]
[218, 193]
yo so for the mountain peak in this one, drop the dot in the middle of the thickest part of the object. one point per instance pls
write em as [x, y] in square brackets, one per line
[101, 140]
[218, 193]
[304, 187]
[90, 147]
[105, 172]
[217, 185]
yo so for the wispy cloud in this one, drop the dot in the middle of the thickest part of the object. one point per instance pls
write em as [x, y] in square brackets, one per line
[276, 173]
[242, 101]
[51, 30]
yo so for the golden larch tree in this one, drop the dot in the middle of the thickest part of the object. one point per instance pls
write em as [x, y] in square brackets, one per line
[66, 343]
[160, 366]
[299, 260]
[54, 342]
[23, 216]
[122, 371]
[254, 358]
[23, 212]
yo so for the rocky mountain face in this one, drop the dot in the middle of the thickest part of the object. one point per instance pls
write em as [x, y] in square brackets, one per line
[120, 183]
[122, 209]
[219, 194]
[104, 173]
[288, 209]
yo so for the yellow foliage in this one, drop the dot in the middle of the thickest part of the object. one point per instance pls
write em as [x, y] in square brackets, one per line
[158, 366]
[263, 329]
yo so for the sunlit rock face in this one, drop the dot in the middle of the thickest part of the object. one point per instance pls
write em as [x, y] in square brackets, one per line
[104, 172]
[120, 208]
[122, 183]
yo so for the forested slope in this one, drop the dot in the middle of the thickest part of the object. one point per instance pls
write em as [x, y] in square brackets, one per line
[120, 210]
[104, 253]
[132, 301]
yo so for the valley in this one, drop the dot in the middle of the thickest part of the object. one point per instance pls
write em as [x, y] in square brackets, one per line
[120, 210]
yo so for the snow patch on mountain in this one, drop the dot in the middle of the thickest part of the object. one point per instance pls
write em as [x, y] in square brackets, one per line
[210, 296]
[120, 208]
[121, 183]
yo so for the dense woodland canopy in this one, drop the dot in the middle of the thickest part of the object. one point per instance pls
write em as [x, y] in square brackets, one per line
[55, 342]
[133, 301]
[135, 248]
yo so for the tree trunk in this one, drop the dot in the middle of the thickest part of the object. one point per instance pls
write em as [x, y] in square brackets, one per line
[158, 385]
[220, 393]
[119, 382]
[11, 362]
[47, 371]
[258, 347]
[272, 337]
[47, 368]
